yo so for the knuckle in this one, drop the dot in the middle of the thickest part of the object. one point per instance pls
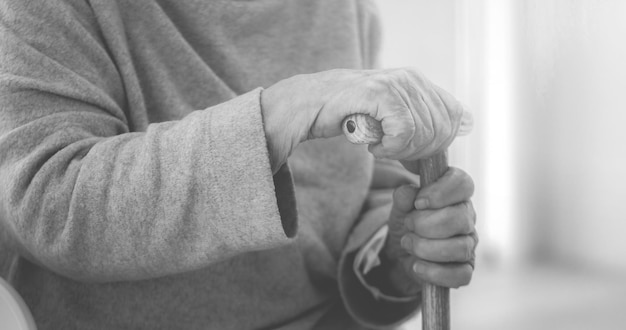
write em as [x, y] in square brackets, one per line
[428, 133]
[476, 238]
[403, 76]
[468, 249]
[399, 72]
[409, 70]
[460, 251]
[467, 222]
[420, 248]
[436, 196]
[446, 254]
[415, 75]
[467, 275]
[468, 183]
[393, 75]
[462, 220]
[376, 83]
[435, 226]
[462, 277]
[446, 132]
[457, 220]
[455, 110]
[471, 213]
[463, 180]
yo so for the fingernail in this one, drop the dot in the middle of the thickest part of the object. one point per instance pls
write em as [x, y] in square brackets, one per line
[406, 242]
[421, 203]
[416, 268]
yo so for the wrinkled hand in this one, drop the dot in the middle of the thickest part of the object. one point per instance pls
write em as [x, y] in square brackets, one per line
[418, 118]
[432, 237]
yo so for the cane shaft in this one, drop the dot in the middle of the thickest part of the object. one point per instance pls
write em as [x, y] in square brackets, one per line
[362, 129]
[435, 299]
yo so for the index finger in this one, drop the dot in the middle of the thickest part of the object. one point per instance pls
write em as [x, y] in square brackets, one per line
[456, 110]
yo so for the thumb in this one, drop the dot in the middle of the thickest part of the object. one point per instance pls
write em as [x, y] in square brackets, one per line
[403, 203]
[404, 200]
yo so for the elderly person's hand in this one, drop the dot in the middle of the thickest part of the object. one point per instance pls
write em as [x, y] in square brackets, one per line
[418, 118]
[431, 235]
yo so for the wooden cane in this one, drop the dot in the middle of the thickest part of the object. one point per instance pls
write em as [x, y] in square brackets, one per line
[435, 299]
[363, 129]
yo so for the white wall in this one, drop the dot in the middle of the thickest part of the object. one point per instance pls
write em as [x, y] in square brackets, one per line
[572, 99]
[420, 33]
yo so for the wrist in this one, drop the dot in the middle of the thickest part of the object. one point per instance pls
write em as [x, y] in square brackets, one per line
[284, 129]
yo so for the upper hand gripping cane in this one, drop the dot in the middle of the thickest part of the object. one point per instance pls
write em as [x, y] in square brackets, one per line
[363, 129]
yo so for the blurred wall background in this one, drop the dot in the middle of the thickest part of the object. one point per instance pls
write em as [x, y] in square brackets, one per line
[572, 74]
[546, 82]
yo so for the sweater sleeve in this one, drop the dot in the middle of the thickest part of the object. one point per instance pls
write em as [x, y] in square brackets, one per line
[83, 196]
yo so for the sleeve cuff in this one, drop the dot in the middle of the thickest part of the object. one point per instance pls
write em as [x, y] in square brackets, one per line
[286, 200]
[365, 303]
[367, 258]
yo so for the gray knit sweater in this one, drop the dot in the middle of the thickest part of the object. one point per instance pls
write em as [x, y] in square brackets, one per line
[135, 185]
